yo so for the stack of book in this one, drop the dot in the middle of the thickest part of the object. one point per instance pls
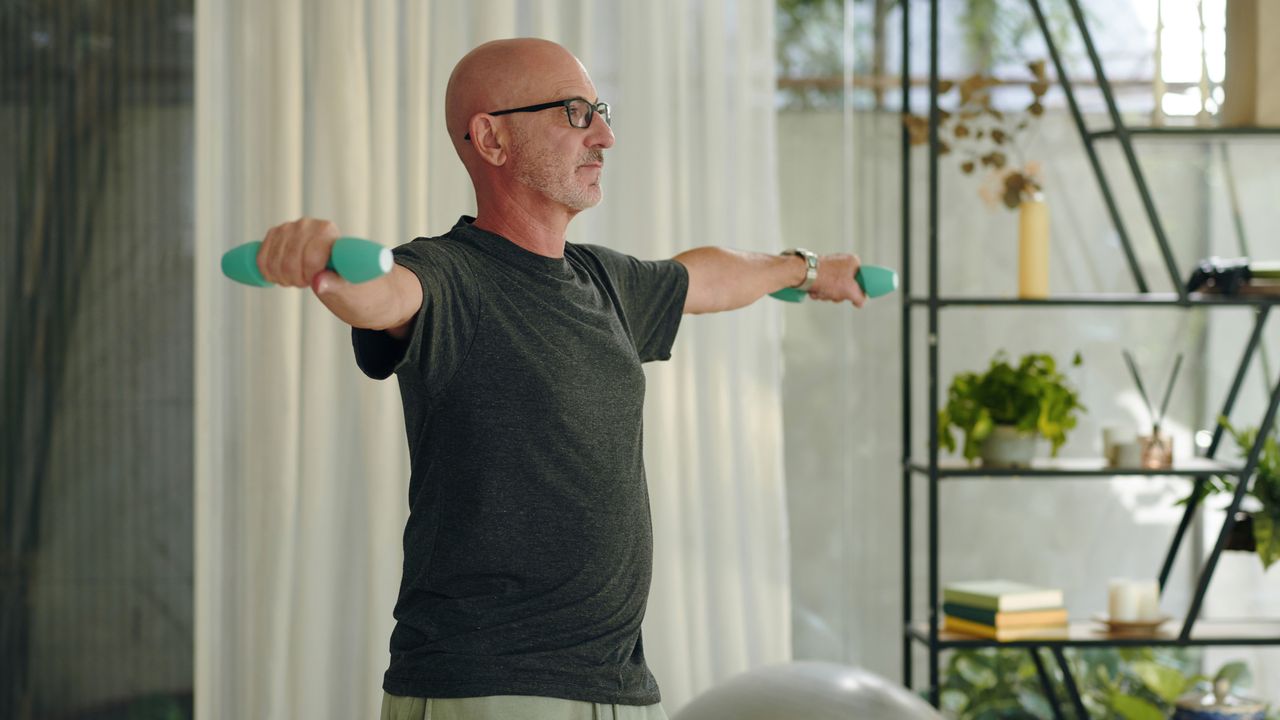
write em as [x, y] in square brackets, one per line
[1004, 610]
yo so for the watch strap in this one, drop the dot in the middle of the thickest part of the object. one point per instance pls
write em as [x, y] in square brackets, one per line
[811, 267]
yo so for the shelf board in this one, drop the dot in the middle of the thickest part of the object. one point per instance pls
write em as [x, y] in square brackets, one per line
[1092, 634]
[1176, 131]
[1145, 300]
[1074, 467]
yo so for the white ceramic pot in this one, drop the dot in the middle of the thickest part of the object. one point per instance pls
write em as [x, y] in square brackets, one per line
[1007, 447]
[1220, 704]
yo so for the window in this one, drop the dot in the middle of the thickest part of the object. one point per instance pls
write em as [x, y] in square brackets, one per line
[96, 562]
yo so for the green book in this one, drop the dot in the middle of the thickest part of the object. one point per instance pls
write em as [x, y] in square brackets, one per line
[1002, 595]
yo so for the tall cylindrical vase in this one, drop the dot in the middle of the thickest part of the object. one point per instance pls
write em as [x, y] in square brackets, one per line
[1033, 248]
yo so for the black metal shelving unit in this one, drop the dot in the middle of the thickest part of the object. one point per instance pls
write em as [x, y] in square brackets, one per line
[932, 472]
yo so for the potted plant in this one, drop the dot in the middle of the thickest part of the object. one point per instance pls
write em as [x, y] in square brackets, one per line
[1003, 411]
[1256, 529]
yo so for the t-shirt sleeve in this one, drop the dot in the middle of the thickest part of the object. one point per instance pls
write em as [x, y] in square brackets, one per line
[652, 294]
[441, 332]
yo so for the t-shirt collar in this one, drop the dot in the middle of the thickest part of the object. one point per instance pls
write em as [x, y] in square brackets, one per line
[511, 253]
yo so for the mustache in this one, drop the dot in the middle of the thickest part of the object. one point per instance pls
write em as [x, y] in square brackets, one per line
[592, 156]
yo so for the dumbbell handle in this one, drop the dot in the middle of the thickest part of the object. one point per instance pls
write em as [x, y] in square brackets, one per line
[873, 279]
[355, 259]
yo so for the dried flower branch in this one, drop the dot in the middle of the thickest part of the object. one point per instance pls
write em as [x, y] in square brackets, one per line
[984, 137]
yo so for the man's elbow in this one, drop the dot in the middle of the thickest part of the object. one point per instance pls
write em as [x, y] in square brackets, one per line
[703, 304]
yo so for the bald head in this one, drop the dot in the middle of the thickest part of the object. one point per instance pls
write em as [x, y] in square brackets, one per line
[506, 74]
[543, 163]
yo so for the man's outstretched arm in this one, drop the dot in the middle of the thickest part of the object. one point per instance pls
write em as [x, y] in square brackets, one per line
[722, 279]
[294, 254]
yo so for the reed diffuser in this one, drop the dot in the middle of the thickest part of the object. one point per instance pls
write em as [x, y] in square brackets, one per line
[1156, 448]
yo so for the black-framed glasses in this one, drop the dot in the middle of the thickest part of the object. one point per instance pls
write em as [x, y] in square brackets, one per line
[579, 110]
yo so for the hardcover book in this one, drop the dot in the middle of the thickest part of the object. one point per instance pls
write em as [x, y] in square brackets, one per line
[1020, 618]
[1053, 632]
[1002, 595]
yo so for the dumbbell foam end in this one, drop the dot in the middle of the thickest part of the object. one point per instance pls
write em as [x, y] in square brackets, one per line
[790, 294]
[358, 260]
[876, 280]
[241, 264]
[873, 279]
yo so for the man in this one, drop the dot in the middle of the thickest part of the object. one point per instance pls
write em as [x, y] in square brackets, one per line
[527, 554]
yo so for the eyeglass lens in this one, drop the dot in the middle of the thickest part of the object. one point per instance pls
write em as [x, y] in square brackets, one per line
[580, 112]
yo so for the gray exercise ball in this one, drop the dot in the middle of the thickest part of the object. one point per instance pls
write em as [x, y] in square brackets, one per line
[807, 691]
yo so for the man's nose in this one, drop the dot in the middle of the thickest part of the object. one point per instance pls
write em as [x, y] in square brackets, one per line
[599, 134]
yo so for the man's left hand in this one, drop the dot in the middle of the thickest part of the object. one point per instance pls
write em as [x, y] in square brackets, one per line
[836, 282]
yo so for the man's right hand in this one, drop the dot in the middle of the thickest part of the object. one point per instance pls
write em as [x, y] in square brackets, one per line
[294, 254]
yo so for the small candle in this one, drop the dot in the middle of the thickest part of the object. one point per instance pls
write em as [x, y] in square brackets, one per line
[1148, 599]
[1123, 601]
[1113, 437]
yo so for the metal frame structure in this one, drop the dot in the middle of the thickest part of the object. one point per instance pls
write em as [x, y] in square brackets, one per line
[1192, 632]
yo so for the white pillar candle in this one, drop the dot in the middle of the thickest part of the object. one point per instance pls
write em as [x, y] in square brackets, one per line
[1148, 599]
[1123, 601]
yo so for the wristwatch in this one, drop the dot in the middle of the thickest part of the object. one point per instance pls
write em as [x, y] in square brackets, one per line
[810, 270]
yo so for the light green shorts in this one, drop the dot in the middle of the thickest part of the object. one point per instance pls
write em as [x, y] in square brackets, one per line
[511, 707]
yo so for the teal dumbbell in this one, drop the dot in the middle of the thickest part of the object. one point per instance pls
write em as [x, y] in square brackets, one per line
[355, 259]
[873, 279]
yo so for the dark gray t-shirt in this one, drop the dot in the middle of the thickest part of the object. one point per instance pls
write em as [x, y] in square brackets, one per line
[528, 550]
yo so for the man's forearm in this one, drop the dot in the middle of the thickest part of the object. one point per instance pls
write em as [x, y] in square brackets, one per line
[387, 303]
[722, 279]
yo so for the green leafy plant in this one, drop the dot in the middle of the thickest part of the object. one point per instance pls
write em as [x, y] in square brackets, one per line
[812, 55]
[1114, 683]
[996, 32]
[992, 683]
[1265, 490]
[1032, 397]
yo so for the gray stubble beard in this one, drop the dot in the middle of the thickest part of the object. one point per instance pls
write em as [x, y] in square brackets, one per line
[537, 169]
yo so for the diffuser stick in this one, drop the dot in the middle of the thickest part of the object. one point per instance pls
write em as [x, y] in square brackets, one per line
[1137, 380]
[1168, 393]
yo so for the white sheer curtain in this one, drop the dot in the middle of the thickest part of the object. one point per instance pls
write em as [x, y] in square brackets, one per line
[332, 108]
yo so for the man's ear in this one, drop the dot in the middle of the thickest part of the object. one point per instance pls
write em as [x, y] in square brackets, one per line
[488, 142]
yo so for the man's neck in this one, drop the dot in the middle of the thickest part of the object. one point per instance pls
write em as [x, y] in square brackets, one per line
[541, 233]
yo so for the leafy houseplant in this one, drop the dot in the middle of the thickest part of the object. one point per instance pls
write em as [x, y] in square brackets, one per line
[1265, 491]
[1033, 398]
[1125, 683]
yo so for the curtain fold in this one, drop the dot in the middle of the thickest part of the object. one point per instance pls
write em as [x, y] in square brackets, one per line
[333, 108]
